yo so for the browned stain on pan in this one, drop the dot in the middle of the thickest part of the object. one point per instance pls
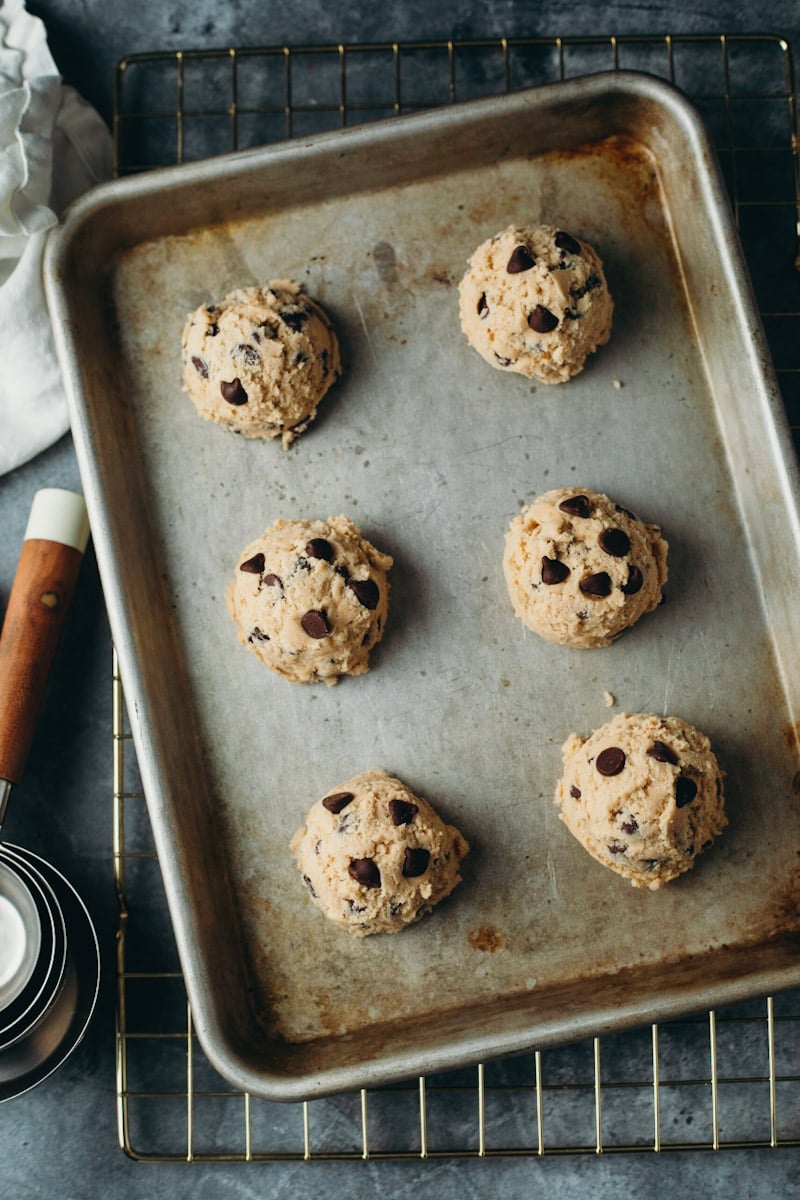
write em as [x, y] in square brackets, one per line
[487, 938]
[785, 906]
[791, 733]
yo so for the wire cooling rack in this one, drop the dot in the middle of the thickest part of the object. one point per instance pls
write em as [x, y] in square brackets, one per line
[724, 1079]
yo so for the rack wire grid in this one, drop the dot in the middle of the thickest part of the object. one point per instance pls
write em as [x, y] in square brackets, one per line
[717, 1081]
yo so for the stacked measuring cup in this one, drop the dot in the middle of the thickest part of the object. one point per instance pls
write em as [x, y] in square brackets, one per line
[49, 962]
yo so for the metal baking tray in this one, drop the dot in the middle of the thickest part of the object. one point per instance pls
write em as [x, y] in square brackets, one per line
[432, 453]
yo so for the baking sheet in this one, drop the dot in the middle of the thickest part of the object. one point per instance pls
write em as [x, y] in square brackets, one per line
[432, 453]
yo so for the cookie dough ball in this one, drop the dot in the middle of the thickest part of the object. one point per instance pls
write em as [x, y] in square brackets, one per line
[375, 857]
[643, 795]
[535, 301]
[580, 569]
[260, 360]
[310, 599]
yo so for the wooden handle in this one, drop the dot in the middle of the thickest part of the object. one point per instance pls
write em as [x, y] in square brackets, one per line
[40, 596]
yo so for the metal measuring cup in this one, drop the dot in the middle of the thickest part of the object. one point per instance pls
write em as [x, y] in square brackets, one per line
[49, 973]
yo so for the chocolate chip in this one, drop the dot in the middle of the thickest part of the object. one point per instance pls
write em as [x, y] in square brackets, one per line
[212, 309]
[233, 391]
[337, 801]
[315, 623]
[553, 571]
[661, 752]
[366, 592]
[295, 318]
[212, 330]
[483, 307]
[299, 360]
[575, 506]
[615, 542]
[635, 581]
[565, 242]
[627, 512]
[273, 581]
[200, 366]
[310, 886]
[685, 791]
[610, 761]
[248, 354]
[320, 548]
[504, 362]
[541, 320]
[415, 862]
[594, 281]
[575, 792]
[254, 565]
[616, 848]
[258, 635]
[365, 872]
[629, 826]
[402, 812]
[521, 260]
[597, 585]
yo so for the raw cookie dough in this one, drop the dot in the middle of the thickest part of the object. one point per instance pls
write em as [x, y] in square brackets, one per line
[310, 599]
[580, 569]
[260, 360]
[375, 857]
[535, 301]
[643, 795]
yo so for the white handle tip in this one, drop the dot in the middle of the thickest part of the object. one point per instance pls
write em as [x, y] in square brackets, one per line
[59, 516]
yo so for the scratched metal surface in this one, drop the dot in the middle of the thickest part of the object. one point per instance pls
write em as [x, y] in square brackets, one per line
[432, 453]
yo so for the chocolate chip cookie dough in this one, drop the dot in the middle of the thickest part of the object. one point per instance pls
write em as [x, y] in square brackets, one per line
[310, 599]
[643, 795]
[375, 857]
[535, 301]
[260, 360]
[580, 569]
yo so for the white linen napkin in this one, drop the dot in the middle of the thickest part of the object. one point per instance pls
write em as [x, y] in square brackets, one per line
[53, 147]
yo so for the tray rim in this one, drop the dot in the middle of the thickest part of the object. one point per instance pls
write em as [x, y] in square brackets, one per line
[216, 1039]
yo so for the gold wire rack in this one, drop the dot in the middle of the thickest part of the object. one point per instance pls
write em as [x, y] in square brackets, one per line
[724, 1079]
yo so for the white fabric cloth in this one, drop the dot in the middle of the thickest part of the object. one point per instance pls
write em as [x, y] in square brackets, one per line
[53, 147]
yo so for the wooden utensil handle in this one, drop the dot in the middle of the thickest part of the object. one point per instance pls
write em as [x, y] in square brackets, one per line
[40, 596]
[37, 607]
